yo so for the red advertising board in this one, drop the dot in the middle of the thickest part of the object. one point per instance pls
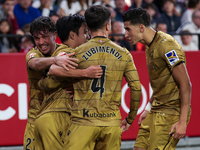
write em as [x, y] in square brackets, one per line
[14, 96]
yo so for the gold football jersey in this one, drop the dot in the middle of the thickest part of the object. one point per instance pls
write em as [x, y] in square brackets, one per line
[97, 101]
[36, 96]
[55, 98]
[162, 56]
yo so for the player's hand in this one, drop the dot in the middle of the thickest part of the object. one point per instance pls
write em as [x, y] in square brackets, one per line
[125, 125]
[93, 72]
[180, 129]
[143, 116]
[66, 62]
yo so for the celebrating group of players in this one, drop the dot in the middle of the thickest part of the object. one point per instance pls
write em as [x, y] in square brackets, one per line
[75, 87]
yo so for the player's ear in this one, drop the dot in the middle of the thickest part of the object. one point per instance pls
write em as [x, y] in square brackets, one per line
[71, 35]
[141, 28]
[108, 26]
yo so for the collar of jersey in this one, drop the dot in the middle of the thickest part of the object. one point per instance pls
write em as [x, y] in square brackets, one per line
[99, 37]
[153, 39]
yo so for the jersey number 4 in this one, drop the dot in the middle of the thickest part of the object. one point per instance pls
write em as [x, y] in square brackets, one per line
[94, 87]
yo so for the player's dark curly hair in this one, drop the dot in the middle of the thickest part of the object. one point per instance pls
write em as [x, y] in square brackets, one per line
[69, 23]
[137, 16]
[96, 16]
[42, 23]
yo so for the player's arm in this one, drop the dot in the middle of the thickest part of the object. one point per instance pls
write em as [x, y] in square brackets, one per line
[146, 111]
[52, 82]
[131, 76]
[42, 63]
[90, 72]
[181, 77]
[49, 83]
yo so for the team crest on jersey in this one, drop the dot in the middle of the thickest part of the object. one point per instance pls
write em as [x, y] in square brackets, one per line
[100, 41]
[31, 55]
[62, 54]
[172, 57]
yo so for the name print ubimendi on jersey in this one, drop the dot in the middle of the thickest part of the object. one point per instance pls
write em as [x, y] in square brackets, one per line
[101, 49]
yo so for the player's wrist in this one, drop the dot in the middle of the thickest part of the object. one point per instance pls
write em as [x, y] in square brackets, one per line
[128, 121]
[84, 73]
[148, 107]
[54, 60]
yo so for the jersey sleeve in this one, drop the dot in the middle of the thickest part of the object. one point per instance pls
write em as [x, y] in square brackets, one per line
[33, 53]
[173, 55]
[131, 76]
[52, 82]
[49, 83]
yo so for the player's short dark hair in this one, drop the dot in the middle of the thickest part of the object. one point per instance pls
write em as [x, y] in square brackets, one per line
[69, 23]
[42, 24]
[96, 16]
[137, 16]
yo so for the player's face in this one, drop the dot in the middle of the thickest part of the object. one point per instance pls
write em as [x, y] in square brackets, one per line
[45, 42]
[83, 36]
[132, 33]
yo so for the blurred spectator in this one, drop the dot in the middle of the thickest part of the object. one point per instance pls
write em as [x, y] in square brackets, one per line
[96, 2]
[159, 4]
[193, 5]
[179, 8]
[151, 9]
[118, 39]
[173, 22]
[68, 7]
[7, 43]
[7, 12]
[113, 13]
[26, 42]
[25, 13]
[136, 4]
[82, 12]
[54, 17]
[147, 2]
[83, 4]
[45, 8]
[102, 2]
[161, 26]
[37, 3]
[120, 5]
[106, 2]
[192, 27]
[186, 43]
